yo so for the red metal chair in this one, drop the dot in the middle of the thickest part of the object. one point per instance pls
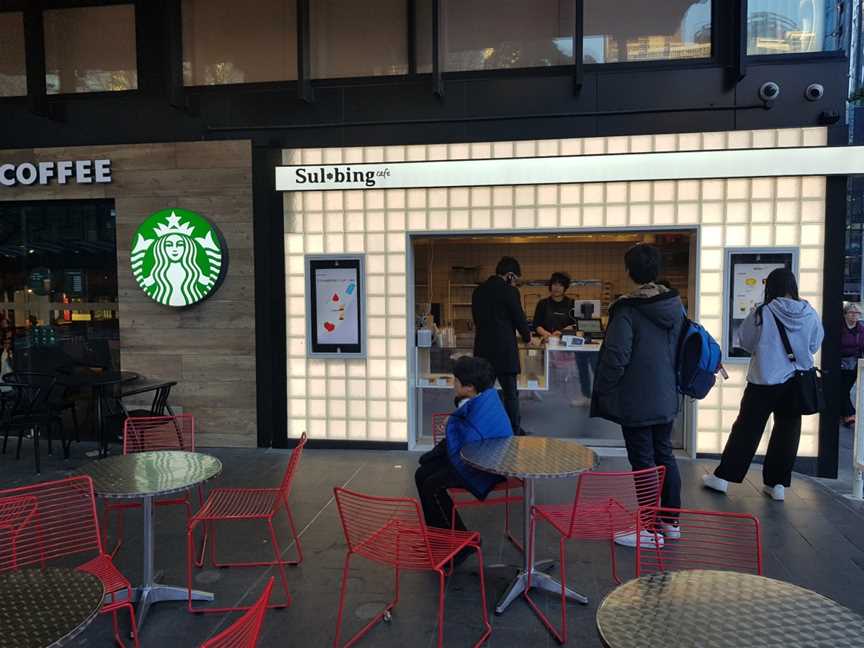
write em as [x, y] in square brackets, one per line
[606, 506]
[709, 540]
[390, 531]
[63, 529]
[15, 514]
[144, 434]
[232, 504]
[244, 632]
[463, 498]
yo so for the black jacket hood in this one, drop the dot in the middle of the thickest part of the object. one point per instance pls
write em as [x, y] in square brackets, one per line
[663, 308]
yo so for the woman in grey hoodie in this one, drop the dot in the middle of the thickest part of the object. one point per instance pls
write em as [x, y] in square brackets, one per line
[770, 388]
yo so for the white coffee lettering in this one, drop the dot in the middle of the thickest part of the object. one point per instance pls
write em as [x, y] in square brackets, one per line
[83, 172]
[103, 170]
[26, 173]
[64, 171]
[46, 170]
[7, 175]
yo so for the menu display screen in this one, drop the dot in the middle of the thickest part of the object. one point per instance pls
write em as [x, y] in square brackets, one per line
[335, 306]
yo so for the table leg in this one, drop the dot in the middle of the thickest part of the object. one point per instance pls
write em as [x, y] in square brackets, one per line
[100, 423]
[150, 592]
[539, 579]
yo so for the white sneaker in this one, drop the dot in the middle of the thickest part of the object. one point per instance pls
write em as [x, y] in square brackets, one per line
[671, 531]
[648, 540]
[713, 482]
[777, 493]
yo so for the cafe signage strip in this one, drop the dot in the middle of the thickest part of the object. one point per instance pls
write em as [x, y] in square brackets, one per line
[737, 163]
[62, 172]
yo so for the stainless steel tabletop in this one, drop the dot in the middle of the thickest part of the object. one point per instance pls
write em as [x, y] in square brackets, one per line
[714, 609]
[145, 474]
[43, 608]
[530, 457]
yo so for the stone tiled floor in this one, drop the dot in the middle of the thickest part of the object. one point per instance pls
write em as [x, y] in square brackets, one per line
[814, 539]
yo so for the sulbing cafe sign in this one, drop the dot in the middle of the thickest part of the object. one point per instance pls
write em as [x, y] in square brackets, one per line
[82, 172]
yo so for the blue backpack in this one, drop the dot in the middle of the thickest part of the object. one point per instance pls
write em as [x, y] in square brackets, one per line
[698, 360]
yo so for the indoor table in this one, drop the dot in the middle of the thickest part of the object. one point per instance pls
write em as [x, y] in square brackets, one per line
[146, 476]
[716, 609]
[100, 381]
[43, 608]
[531, 458]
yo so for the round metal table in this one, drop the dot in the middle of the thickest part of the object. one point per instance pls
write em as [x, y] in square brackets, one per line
[145, 476]
[714, 609]
[531, 458]
[99, 382]
[43, 608]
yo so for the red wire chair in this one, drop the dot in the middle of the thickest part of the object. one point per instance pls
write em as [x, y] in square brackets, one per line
[56, 523]
[390, 531]
[462, 498]
[244, 632]
[15, 515]
[606, 506]
[230, 504]
[144, 434]
[709, 540]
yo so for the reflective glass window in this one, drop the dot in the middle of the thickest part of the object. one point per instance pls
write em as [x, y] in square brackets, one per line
[13, 75]
[90, 49]
[225, 41]
[791, 26]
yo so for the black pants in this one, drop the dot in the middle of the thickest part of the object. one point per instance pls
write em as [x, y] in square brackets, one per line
[847, 379]
[433, 477]
[758, 403]
[510, 398]
[587, 361]
[651, 446]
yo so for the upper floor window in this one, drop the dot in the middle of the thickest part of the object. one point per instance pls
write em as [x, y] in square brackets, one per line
[225, 41]
[90, 49]
[355, 39]
[622, 30]
[13, 75]
[791, 26]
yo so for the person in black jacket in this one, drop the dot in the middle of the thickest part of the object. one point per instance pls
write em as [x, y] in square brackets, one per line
[635, 384]
[497, 311]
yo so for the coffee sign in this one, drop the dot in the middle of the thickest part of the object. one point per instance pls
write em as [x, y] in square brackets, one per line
[62, 172]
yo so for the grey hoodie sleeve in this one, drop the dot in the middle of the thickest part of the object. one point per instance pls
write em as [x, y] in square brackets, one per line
[749, 333]
[817, 333]
[617, 348]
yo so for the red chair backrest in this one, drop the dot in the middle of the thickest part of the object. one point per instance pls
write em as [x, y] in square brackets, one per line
[244, 632]
[388, 530]
[288, 477]
[608, 502]
[439, 427]
[64, 523]
[709, 540]
[145, 433]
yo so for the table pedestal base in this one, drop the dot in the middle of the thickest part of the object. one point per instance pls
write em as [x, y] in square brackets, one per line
[146, 596]
[539, 580]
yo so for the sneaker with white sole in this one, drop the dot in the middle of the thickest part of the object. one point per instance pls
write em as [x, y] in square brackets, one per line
[777, 493]
[671, 531]
[648, 540]
[713, 482]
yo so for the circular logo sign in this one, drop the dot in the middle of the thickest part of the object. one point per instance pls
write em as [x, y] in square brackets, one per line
[178, 257]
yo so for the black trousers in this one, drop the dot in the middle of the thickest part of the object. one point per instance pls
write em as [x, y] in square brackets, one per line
[651, 446]
[758, 403]
[510, 397]
[433, 477]
[847, 379]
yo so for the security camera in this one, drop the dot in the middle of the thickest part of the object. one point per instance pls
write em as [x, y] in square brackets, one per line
[814, 92]
[769, 91]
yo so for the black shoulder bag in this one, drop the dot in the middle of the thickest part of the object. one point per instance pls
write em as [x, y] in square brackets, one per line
[808, 382]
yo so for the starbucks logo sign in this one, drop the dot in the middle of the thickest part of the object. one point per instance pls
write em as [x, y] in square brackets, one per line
[178, 257]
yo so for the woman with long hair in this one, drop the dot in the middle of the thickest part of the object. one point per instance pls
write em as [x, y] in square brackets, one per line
[177, 278]
[851, 348]
[771, 386]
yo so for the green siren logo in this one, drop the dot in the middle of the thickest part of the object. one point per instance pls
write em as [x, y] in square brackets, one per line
[177, 257]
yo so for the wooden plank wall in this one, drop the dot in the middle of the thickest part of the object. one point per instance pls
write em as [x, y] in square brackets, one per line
[209, 348]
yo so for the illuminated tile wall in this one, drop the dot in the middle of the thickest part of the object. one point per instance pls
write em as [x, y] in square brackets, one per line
[368, 399]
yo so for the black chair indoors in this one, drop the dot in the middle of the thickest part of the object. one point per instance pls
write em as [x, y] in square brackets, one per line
[35, 411]
[159, 406]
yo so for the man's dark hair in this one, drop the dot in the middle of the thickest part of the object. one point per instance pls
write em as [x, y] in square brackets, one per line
[506, 265]
[643, 263]
[561, 279]
[476, 372]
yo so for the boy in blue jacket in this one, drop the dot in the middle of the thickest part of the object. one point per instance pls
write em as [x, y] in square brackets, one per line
[479, 415]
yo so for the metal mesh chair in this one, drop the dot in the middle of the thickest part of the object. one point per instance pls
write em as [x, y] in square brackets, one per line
[709, 540]
[62, 530]
[390, 531]
[144, 434]
[500, 493]
[606, 506]
[15, 514]
[244, 632]
[236, 504]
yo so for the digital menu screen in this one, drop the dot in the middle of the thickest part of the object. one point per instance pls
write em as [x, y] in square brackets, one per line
[335, 306]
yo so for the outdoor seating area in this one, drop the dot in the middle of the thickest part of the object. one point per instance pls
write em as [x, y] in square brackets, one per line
[328, 547]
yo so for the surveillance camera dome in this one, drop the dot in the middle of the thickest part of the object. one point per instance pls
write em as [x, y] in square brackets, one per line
[814, 92]
[769, 91]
